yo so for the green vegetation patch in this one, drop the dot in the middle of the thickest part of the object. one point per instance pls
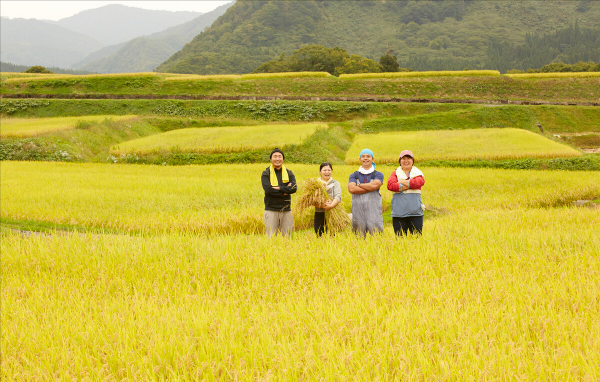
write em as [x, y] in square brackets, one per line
[492, 144]
[583, 141]
[219, 140]
[30, 127]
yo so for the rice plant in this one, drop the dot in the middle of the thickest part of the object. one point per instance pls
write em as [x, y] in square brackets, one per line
[443, 73]
[491, 144]
[229, 198]
[285, 75]
[30, 127]
[483, 295]
[40, 77]
[219, 139]
[198, 77]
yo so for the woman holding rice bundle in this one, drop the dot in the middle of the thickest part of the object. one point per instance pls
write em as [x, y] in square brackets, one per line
[334, 190]
[407, 207]
[324, 194]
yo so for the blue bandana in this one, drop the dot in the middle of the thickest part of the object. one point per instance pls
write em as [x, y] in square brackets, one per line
[367, 151]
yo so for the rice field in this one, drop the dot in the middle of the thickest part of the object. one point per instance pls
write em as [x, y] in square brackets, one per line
[41, 76]
[220, 139]
[490, 292]
[30, 127]
[492, 144]
[229, 198]
[286, 75]
[199, 77]
[555, 75]
[441, 73]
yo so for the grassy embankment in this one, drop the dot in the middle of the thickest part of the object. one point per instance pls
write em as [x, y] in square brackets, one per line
[469, 88]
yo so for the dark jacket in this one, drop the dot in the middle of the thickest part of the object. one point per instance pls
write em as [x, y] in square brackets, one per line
[278, 200]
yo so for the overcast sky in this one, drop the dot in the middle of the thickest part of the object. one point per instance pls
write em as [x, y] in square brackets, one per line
[56, 10]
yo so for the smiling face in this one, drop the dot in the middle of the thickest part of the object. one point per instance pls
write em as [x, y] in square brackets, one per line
[406, 162]
[366, 161]
[326, 173]
[277, 160]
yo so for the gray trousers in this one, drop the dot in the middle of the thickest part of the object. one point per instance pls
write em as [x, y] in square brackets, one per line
[279, 221]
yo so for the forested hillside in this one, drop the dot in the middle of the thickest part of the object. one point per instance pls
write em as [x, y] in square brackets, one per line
[425, 34]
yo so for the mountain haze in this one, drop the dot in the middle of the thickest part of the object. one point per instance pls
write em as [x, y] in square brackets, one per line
[33, 42]
[425, 35]
[114, 24]
[143, 54]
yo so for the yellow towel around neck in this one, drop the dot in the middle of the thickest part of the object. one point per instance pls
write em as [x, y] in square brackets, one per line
[285, 178]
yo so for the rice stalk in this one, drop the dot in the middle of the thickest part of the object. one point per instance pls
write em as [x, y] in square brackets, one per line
[442, 73]
[314, 194]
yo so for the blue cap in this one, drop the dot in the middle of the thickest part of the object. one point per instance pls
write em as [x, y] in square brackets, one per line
[367, 151]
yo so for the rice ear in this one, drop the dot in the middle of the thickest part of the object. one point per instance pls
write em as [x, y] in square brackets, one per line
[314, 194]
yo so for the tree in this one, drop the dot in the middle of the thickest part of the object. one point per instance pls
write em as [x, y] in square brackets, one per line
[38, 69]
[389, 63]
[358, 64]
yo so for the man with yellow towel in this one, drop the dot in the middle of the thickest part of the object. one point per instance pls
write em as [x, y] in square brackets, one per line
[279, 184]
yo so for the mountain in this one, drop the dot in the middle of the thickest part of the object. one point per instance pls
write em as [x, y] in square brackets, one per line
[9, 67]
[33, 42]
[425, 34]
[143, 54]
[114, 24]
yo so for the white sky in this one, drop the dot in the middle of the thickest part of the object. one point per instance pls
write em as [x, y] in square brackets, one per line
[56, 10]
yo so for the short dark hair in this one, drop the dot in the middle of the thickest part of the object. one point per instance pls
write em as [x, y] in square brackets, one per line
[276, 151]
[325, 164]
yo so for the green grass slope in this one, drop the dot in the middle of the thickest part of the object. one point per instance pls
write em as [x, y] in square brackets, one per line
[493, 88]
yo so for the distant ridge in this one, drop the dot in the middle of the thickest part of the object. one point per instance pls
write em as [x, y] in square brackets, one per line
[143, 54]
[114, 24]
[33, 42]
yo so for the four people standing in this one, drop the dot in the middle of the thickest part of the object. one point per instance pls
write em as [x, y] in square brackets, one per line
[406, 182]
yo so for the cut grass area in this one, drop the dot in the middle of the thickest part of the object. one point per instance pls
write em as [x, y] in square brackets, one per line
[31, 127]
[492, 144]
[506, 290]
[220, 140]
[229, 198]
[442, 73]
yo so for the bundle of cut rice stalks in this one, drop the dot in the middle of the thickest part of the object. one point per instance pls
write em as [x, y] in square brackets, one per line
[314, 194]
